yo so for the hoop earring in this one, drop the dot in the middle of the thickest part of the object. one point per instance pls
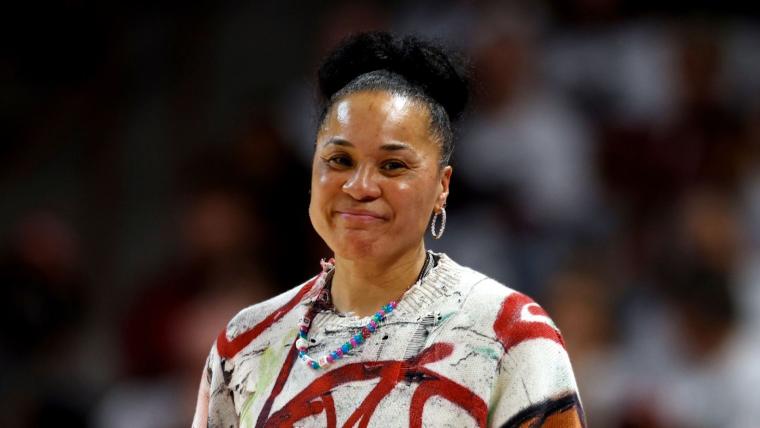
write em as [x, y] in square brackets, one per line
[435, 220]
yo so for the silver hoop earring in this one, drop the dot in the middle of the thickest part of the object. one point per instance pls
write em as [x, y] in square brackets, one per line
[437, 235]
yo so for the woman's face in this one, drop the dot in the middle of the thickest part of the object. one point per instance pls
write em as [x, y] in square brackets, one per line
[376, 176]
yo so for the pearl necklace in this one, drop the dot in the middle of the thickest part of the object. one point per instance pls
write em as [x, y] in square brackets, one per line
[302, 339]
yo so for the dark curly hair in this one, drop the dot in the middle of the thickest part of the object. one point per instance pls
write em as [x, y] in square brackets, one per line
[406, 66]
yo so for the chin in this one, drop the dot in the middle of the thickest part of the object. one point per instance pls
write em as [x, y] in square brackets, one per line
[357, 248]
[377, 250]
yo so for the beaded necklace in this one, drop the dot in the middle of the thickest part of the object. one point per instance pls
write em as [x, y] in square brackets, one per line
[302, 339]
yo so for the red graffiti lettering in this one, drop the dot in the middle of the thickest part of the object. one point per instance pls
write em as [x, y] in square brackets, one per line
[512, 328]
[317, 397]
[229, 348]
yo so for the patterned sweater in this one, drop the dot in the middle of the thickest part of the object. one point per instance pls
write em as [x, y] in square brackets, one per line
[459, 350]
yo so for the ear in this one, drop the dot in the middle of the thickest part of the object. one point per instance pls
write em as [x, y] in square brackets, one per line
[444, 188]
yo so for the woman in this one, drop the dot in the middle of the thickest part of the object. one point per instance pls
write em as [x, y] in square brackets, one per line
[448, 346]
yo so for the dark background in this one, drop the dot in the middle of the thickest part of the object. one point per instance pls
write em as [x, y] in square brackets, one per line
[154, 175]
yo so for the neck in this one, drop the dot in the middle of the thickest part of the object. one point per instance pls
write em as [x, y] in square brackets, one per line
[363, 286]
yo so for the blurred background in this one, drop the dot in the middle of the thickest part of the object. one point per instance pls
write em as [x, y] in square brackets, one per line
[154, 176]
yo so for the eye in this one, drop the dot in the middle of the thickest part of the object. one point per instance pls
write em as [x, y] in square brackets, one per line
[340, 161]
[393, 165]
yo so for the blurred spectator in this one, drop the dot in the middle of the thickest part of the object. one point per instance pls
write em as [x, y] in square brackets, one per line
[44, 307]
[706, 348]
[218, 252]
[170, 326]
[584, 301]
[167, 399]
[527, 150]
[536, 148]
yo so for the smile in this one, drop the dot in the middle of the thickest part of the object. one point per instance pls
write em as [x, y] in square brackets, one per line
[360, 216]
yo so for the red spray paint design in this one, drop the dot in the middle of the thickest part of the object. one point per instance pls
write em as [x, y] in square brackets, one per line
[511, 329]
[317, 397]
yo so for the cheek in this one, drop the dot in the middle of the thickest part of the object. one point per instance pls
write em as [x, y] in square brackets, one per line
[315, 194]
[317, 209]
[324, 179]
[415, 203]
[323, 189]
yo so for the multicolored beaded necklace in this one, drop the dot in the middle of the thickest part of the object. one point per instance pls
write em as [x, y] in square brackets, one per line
[302, 339]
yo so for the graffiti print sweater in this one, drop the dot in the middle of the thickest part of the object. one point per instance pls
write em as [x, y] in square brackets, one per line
[459, 350]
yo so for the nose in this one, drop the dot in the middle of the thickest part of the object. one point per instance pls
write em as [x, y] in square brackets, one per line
[362, 184]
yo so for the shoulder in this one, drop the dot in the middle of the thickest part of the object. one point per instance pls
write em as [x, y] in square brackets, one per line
[253, 321]
[499, 311]
[254, 314]
[535, 380]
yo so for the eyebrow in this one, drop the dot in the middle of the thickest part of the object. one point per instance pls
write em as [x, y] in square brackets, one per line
[391, 147]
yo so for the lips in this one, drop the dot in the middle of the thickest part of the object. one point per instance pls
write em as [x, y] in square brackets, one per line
[363, 216]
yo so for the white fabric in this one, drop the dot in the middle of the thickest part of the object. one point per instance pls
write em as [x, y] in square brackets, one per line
[490, 353]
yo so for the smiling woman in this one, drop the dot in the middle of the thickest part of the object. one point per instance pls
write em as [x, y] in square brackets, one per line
[376, 177]
[448, 346]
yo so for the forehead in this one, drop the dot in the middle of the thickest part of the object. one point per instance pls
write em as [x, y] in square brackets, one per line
[377, 117]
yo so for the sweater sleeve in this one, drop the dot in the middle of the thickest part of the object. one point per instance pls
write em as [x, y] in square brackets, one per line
[215, 406]
[200, 419]
[535, 383]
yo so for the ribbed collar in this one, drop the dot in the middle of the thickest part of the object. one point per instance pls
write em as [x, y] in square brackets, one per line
[414, 304]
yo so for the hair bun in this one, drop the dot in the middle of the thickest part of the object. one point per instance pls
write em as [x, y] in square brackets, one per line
[439, 73]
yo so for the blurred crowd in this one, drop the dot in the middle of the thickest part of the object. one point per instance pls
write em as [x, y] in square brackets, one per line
[156, 166]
